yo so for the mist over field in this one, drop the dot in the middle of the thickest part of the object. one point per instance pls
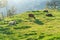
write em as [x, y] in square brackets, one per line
[24, 5]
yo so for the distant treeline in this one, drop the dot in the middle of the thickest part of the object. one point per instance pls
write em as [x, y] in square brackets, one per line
[53, 4]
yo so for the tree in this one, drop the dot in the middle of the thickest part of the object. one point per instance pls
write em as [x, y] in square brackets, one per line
[53, 4]
[11, 11]
[3, 3]
[1, 16]
[47, 5]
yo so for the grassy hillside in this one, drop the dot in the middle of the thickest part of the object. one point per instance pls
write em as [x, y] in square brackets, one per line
[41, 28]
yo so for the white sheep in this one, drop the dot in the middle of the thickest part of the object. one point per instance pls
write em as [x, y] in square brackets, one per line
[12, 22]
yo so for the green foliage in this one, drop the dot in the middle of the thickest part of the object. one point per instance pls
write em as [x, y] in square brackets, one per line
[53, 4]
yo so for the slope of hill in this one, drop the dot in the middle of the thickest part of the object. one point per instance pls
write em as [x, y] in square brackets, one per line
[41, 28]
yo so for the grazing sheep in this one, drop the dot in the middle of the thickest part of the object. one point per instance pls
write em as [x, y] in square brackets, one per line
[49, 15]
[45, 11]
[31, 15]
[12, 22]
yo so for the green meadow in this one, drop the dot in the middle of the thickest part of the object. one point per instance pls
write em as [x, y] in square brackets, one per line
[41, 28]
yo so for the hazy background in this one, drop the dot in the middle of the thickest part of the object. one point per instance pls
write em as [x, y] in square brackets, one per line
[24, 5]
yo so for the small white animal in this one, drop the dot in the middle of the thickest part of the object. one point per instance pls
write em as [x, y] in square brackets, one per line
[12, 22]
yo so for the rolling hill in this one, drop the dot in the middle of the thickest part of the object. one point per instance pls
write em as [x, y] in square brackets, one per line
[41, 28]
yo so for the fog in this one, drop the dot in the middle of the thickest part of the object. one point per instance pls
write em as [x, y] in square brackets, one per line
[24, 5]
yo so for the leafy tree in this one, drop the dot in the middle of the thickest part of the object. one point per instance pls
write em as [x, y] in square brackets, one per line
[53, 4]
[11, 11]
[3, 3]
[1, 16]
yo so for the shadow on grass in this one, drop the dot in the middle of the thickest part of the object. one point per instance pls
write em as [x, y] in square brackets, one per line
[31, 39]
[30, 34]
[23, 27]
[37, 21]
[8, 32]
[41, 36]
[26, 35]
[55, 38]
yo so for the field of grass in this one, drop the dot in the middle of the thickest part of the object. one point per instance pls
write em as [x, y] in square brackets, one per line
[41, 28]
